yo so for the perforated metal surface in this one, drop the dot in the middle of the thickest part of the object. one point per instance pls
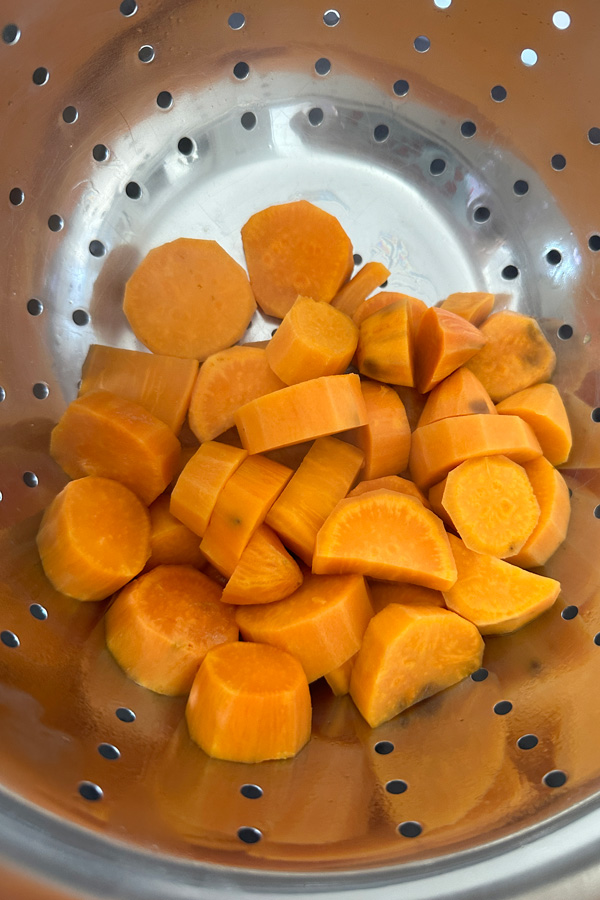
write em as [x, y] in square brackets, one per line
[461, 167]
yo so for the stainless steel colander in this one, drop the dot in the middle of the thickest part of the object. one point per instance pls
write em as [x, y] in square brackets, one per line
[458, 142]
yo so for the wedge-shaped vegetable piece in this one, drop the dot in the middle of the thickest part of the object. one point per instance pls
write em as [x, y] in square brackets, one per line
[339, 679]
[386, 535]
[491, 504]
[188, 298]
[440, 446]
[160, 627]
[385, 439]
[542, 407]
[226, 381]
[552, 494]
[249, 702]
[354, 292]
[515, 356]
[460, 394]
[409, 653]
[314, 339]
[161, 384]
[474, 306]
[390, 483]
[171, 542]
[265, 573]
[109, 436]
[321, 481]
[302, 412]
[203, 478]
[94, 537]
[385, 298]
[385, 592]
[444, 342]
[295, 248]
[495, 595]
[321, 624]
[435, 494]
[385, 344]
[240, 508]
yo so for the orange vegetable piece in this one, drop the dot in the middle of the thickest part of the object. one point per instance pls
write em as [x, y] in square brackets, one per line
[474, 306]
[188, 298]
[265, 573]
[385, 439]
[226, 381]
[161, 384]
[495, 595]
[171, 542]
[552, 495]
[386, 535]
[339, 678]
[321, 481]
[386, 592]
[435, 494]
[444, 342]
[109, 436]
[295, 248]
[440, 446]
[349, 298]
[94, 537]
[249, 703]
[542, 407]
[321, 624]
[409, 653]
[313, 339]
[460, 394]
[413, 401]
[491, 504]
[160, 627]
[302, 412]
[390, 483]
[385, 344]
[203, 478]
[386, 298]
[240, 508]
[515, 356]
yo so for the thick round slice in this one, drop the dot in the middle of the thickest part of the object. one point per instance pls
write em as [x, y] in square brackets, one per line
[495, 595]
[321, 624]
[111, 437]
[386, 535]
[515, 356]
[409, 653]
[189, 299]
[94, 537]
[542, 407]
[161, 626]
[295, 248]
[552, 494]
[492, 505]
[249, 702]
[265, 573]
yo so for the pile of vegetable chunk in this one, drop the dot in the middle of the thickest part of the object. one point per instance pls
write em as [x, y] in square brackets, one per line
[360, 498]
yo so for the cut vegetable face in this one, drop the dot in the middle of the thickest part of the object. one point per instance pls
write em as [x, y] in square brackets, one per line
[385, 344]
[265, 573]
[321, 624]
[495, 595]
[111, 437]
[94, 537]
[160, 627]
[203, 478]
[249, 703]
[295, 248]
[385, 440]
[444, 342]
[492, 505]
[408, 654]
[473, 306]
[542, 407]
[189, 299]
[552, 495]
[516, 355]
[386, 535]
[460, 394]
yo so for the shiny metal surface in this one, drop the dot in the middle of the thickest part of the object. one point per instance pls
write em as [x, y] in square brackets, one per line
[166, 825]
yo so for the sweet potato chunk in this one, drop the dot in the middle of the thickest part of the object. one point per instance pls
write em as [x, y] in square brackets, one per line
[460, 394]
[351, 296]
[390, 483]
[552, 495]
[203, 478]
[385, 439]
[444, 342]
[542, 407]
[385, 344]
[265, 573]
[474, 306]
[171, 542]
